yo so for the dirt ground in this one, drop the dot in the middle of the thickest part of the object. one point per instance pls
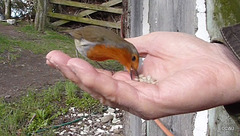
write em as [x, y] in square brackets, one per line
[28, 71]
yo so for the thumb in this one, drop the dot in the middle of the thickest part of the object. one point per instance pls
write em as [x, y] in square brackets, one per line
[158, 43]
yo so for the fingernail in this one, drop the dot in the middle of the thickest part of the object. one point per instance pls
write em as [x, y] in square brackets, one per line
[51, 62]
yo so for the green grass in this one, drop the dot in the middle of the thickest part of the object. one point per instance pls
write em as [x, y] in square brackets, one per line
[8, 49]
[38, 43]
[44, 107]
[42, 43]
[36, 110]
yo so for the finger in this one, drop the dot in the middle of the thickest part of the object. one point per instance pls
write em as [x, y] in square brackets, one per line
[58, 60]
[112, 90]
[106, 72]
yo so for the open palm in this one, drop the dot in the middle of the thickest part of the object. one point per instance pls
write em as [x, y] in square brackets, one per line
[192, 75]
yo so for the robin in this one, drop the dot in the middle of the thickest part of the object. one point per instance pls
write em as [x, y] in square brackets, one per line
[100, 44]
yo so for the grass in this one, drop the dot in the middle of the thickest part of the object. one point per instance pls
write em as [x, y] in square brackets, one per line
[44, 107]
[38, 43]
[37, 110]
[42, 43]
[8, 49]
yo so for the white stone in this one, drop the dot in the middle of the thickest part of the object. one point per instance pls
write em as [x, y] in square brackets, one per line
[116, 127]
[99, 131]
[90, 121]
[80, 114]
[115, 121]
[72, 109]
[71, 133]
[111, 110]
[86, 128]
[61, 133]
[107, 118]
[83, 133]
[73, 129]
[11, 21]
[74, 115]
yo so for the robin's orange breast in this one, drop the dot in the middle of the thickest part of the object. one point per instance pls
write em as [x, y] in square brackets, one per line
[102, 52]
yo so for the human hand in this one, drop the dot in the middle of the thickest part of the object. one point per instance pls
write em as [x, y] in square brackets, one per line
[192, 75]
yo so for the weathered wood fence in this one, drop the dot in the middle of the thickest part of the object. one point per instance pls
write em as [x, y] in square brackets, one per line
[178, 16]
[162, 15]
[82, 16]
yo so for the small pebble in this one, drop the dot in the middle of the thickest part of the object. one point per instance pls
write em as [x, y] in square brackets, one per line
[116, 131]
[116, 127]
[73, 129]
[99, 131]
[74, 115]
[61, 133]
[115, 121]
[93, 124]
[90, 121]
[106, 118]
[110, 110]
[72, 109]
[83, 133]
[7, 96]
[80, 114]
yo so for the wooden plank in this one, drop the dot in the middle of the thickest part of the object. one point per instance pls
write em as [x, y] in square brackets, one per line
[109, 3]
[163, 15]
[175, 15]
[133, 125]
[221, 124]
[88, 12]
[85, 20]
[87, 6]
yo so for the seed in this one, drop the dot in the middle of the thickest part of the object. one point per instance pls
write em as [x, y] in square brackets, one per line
[147, 79]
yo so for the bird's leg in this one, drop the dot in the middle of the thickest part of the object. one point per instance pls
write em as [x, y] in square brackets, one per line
[76, 53]
[100, 65]
[103, 67]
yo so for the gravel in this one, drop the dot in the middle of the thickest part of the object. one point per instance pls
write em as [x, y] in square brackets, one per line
[109, 123]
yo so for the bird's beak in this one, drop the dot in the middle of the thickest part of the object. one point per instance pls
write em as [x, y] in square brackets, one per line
[134, 73]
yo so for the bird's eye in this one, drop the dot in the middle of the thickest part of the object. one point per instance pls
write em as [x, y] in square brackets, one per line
[133, 58]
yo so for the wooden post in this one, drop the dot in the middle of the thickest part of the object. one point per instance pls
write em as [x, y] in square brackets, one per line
[133, 125]
[41, 15]
[7, 9]
[163, 15]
